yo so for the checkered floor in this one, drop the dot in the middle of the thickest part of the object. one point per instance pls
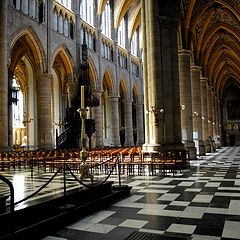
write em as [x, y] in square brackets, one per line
[201, 203]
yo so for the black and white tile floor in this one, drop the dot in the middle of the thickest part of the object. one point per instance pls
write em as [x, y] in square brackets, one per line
[202, 203]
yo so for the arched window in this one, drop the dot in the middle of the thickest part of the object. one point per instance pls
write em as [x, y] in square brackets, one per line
[55, 20]
[106, 20]
[134, 43]
[65, 26]
[71, 29]
[25, 7]
[60, 22]
[122, 33]
[86, 11]
[40, 11]
[32, 10]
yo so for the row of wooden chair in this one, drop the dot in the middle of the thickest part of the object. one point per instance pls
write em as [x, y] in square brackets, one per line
[129, 159]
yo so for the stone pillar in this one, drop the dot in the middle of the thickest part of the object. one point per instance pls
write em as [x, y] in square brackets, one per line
[145, 73]
[140, 124]
[164, 121]
[214, 111]
[209, 109]
[99, 120]
[205, 114]
[186, 102]
[196, 109]
[128, 123]
[3, 76]
[44, 111]
[219, 122]
[114, 120]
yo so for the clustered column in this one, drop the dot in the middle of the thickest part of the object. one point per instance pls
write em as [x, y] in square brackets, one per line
[98, 119]
[44, 111]
[164, 126]
[128, 123]
[115, 120]
[196, 109]
[186, 102]
[140, 125]
[205, 114]
[3, 76]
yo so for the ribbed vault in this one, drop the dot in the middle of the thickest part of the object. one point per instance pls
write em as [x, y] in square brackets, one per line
[211, 29]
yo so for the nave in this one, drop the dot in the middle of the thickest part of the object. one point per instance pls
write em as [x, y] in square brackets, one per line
[200, 204]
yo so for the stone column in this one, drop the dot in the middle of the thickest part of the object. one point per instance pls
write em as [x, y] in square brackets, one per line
[140, 124]
[114, 120]
[219, 122]
[44, 111]
[209, 109]
[196, 109]
[128, 123]
[164, 126]
[145, 72]
[186, 102]
[205, 114]
[99, 120]
[214, 111]
[3, 76]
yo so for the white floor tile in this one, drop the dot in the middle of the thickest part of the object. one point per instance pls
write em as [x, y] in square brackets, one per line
[193, 212]
[203, 237]
[179, 203]
[231, 229]
[80, 225]
[132, 223]
[181, 228]
[193, 190]
[185, 184]
[153, 191]
[99, 216]
[200, 198]
[213, 184]
[169, 196]
[100, 228]
[166, 213]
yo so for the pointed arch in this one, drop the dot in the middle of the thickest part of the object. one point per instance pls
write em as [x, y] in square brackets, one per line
[123, 8]
[136, 21]
[92, 73]
[123, 86]
[34, 45]
[109, 80]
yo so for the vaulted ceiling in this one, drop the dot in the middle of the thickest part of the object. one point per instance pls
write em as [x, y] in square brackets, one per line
[210, 28]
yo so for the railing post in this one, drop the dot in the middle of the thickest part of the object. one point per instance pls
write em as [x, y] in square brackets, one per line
[119, 172]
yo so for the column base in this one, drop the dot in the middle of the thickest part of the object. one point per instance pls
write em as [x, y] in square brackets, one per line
[5, 149]
[200, 147]
[207, 146]
[149, 147]
[45, 146]
[202, 150]
[192, 151]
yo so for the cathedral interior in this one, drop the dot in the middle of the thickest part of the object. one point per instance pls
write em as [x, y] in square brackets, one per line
[155, 80]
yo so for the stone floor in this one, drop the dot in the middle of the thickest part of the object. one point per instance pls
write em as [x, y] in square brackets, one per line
[201, 203]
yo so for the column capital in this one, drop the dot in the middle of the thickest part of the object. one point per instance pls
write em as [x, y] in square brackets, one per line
[196, 68]
[114, 98]
[184, 52]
